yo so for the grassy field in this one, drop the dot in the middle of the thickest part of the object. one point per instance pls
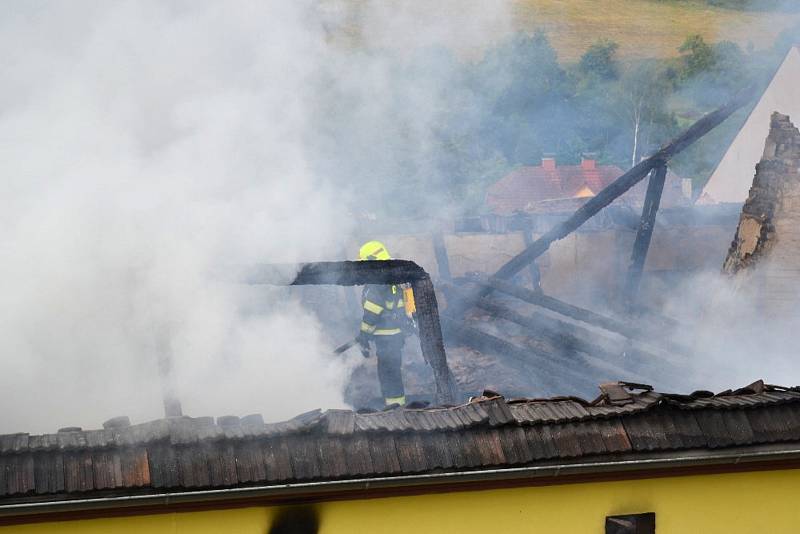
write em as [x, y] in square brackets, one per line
[644, 28]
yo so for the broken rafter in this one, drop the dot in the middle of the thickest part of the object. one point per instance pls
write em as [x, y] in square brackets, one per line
[595, 350]
[531, 359]
[589, 317]
[558, 333]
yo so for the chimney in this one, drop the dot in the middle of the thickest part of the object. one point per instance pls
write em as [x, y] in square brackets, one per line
[589, 161]
[549, 162]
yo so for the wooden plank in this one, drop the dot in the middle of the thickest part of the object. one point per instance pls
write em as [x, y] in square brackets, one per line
[640, 331]
[531, 359]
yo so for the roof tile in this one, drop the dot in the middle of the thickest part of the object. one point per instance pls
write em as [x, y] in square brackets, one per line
[186, 453]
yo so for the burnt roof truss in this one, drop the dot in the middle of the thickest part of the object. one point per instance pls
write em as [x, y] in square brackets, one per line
[353, 273]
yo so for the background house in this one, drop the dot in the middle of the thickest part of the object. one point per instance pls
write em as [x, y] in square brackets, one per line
[553, 187]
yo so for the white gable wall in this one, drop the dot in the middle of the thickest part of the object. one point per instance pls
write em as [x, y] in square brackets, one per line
[733, 177]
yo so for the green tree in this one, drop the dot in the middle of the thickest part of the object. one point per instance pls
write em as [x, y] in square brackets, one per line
[600, 60]
[696, 56]
[641, 102]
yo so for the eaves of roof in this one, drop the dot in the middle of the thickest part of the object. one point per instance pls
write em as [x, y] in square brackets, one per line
[490, 433]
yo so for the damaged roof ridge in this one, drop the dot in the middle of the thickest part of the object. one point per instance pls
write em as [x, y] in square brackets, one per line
[490, 411]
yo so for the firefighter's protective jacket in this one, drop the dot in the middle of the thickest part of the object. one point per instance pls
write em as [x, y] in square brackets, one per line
[384, 310]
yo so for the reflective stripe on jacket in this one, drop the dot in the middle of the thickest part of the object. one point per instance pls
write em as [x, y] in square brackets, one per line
[384, 310]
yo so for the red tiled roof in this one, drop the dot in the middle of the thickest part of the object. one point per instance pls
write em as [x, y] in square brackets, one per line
[526, 186]
[535, 188]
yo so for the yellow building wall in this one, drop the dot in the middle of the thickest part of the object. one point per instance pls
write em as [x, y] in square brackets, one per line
[739, 503]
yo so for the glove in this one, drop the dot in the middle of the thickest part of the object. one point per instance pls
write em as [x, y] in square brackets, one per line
[363, 342]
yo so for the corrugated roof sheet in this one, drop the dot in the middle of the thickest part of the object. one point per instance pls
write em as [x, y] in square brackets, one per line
[184, 453]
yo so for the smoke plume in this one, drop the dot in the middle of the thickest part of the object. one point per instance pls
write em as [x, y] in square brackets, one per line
[146, 146]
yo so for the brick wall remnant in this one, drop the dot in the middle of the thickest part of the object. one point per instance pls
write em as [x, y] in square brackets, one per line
[768, 234]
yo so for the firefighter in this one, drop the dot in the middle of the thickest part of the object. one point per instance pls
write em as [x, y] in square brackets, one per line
[385, 323]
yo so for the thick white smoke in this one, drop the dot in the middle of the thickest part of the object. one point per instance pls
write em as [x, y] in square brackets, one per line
[145, 146]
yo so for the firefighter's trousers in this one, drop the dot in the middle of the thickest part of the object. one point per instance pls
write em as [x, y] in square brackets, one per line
[389, 350]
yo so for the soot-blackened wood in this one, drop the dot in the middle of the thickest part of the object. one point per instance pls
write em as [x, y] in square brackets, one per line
[652, 200]
[554, 331]
[611, 192]
[442, 261]
[431, 342]
[385, 272]
[559, 306]
[339, 273]
[639, 331]
[532, 360]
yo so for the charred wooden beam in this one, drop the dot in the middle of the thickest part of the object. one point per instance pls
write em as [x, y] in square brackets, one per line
[597, 353]
[350, 273]
[613, 191]
[559, 306]
[570, 339]
[589, 317]
[555, 331]
[442, 260]
[339, 273]
[655, 187]
[533, 360]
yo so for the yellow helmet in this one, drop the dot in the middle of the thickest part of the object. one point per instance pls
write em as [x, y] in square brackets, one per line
[373, 250]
